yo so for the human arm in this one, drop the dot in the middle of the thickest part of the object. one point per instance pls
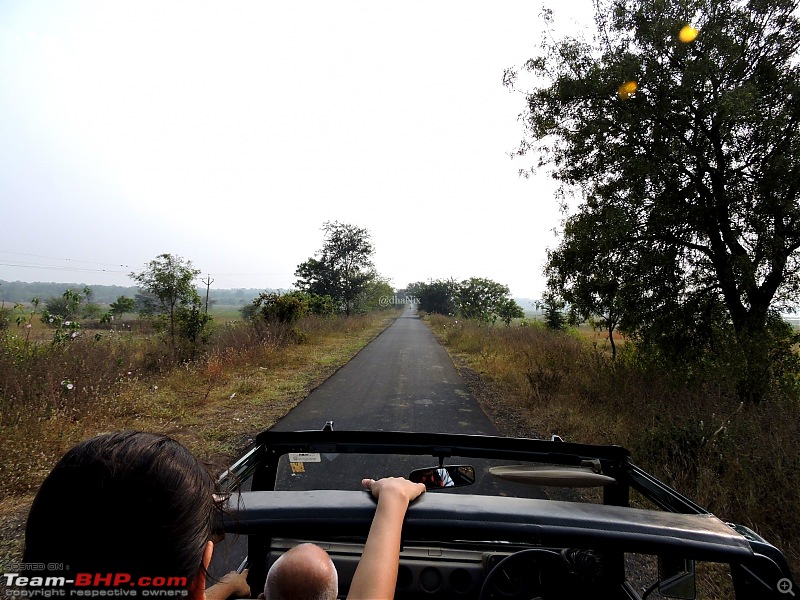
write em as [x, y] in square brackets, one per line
[376, 574]
[231, 584]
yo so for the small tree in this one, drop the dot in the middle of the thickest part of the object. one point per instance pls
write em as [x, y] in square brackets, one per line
[170, 280]
[122, 305]
[67, 305]
[552, 306]
[508, 309]
[344, 268]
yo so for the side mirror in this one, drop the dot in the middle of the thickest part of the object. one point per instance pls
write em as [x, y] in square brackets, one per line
[436, 478]
[676, 578]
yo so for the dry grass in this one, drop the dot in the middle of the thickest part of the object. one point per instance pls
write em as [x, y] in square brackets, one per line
[740, 461]
[248, 378]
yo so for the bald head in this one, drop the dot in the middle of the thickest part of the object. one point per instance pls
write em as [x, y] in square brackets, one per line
[305, 572]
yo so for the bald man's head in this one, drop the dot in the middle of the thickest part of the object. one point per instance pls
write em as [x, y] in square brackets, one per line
[305, 572]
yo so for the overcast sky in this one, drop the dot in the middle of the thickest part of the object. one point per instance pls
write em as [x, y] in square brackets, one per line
[228, 132]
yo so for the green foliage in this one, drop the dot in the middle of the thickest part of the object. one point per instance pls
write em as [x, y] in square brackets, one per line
[475, 298]
[167, 283]
[282, 308]
[685, 153]
[122, 305]
[25, 319]
[67, 306]
[343, 269]
[377, 295]
[320, 305]
[553, 307]
[61, 314]
[288, 308]
[192, 324]
[437, 296]
[507, 310]
[478, 298]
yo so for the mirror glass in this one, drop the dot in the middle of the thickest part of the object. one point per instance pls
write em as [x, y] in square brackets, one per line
[436, 478]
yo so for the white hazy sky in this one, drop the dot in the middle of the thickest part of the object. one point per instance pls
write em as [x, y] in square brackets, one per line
[228, 132]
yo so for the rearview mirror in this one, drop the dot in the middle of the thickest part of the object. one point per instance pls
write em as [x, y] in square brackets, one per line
[436, 478]
[676, 578]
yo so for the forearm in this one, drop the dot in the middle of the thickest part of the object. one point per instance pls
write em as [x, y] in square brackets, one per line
[219, 591]
[232, 584]
[376, 574]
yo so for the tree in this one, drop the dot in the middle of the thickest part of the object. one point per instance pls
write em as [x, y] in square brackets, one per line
[586, 272]
[508, 309]
[170, 281]
[67, 306]
[377, 295]
[122, 305]
[479, 298]
[436, 296]
[552, 307]
[343, 269]
[692, 144]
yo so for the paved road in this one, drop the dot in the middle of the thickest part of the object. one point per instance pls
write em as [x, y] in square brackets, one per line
[402, 381]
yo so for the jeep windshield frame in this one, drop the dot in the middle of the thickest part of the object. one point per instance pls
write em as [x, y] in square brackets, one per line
[263, 513]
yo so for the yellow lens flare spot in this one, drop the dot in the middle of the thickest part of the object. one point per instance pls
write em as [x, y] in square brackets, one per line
[627, 89]
[687, 34]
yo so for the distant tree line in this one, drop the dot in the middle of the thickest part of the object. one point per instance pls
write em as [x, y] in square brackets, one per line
[475, 298]
[21, 291]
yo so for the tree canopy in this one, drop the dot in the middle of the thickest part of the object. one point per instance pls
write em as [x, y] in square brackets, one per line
[169, 280]
[474, 298]
[680, 125]
[343, 268]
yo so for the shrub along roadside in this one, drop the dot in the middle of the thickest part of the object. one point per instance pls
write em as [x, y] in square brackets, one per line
[741, 461]
[250, 376]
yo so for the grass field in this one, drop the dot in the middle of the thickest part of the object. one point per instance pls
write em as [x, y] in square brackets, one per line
[741, 461]
[247, 378]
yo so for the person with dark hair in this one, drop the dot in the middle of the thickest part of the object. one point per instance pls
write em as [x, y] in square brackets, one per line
[132, 504]
[125, 508]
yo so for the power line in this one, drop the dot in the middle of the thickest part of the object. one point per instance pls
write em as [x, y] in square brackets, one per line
[90, 262]
[59, 268]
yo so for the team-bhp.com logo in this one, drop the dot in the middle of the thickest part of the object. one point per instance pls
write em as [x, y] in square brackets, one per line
[92, 585]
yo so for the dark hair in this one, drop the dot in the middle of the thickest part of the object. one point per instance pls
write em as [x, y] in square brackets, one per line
[127, 502]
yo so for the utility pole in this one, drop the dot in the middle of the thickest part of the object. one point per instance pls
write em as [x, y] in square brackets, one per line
[208, 281]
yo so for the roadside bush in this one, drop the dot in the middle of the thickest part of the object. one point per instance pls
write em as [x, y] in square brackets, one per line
[288, 308]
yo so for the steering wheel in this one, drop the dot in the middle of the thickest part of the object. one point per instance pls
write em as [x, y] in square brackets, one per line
[518, 575]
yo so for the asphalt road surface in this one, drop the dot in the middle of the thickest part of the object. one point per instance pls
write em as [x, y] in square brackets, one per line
[402, 381]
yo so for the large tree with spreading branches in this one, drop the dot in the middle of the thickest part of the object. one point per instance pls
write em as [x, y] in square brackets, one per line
[679, 123]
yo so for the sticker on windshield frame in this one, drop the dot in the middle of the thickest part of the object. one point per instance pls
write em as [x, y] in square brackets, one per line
[304, 457]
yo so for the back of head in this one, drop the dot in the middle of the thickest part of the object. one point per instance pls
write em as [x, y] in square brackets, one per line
[127, 502]
[305, 572]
